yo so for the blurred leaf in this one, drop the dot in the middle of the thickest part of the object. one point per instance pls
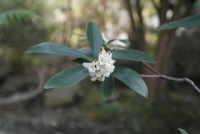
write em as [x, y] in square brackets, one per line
[55, 48]
[131, 79]
[110, 41]
[125, 41]
[80, 60]
[191, 21]
[16, 15]
[77, 34]
[94, 38]
[182, 131]
[81, 41]
[67, 77]
[121, 40]
[130, 54]
[85, 50]
[107, 87]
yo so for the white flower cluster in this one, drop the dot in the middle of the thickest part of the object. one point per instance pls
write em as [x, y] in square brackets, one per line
[102, 68]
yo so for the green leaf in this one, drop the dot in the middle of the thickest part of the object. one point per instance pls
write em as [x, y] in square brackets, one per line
[191, 21]
[85, 50]
[67, 77]
[94, 37]
[17, 15]
[55, 48]
[81, 41]
[107, 87]
[110, 41]
[182, 131]
[77, 34]
[125, 41]
[121, 40]
[130, 54]
[132, 79]
[80, 60]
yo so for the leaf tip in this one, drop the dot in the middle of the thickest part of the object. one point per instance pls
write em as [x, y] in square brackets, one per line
[154, 62]
[105, 98]
[47, 86]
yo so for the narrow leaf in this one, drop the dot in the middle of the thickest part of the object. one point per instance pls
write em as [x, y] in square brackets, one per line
[80, 60]
[55, 48]
[182, 131]
[94, 37]
[110, 41]
[85, 50]
[107, 87]
[191, 21]
[81, 41]
[67, 77]
[77, 34]
[130, 54]
[125, 41]
[121, 40]
[131, 79]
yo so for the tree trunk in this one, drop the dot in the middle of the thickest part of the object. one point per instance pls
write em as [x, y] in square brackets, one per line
[162, 53]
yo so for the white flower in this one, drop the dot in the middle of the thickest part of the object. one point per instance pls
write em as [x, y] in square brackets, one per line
[102, 68]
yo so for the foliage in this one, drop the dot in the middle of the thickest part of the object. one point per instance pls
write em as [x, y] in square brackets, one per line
[16, 15]
[190, 21]
[182, 131]
[75, 74]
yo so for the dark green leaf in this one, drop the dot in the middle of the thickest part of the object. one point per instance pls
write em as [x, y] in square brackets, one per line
[130, 54]
[81, 41]
[182, 131]
[67, 77]
[107, 87]
[55, 48]
[17, 15]
[94, 37]
[132, 79]
[80, 60]
[191, 21]
[110, 41]
[86, 51]
[125, 41]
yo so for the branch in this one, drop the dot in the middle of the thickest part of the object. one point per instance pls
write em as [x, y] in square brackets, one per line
[25, 96]
[155, 5]
[150, 68]
[158, 75]
[139, 12]
[129, 9]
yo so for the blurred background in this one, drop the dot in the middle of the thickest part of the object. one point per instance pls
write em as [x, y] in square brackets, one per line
[26, 108]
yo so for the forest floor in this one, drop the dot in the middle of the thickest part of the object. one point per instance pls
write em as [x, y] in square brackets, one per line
[125, 113]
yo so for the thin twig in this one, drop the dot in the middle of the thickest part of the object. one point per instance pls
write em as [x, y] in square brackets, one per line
[25, 96]
[159, 75]
[151, 68]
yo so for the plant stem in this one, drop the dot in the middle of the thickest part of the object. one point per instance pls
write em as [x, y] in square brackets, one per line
[159, 75]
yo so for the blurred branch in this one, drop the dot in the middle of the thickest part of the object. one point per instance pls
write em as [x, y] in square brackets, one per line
[176, 10]
[163, 11]
[155, 5]
[139, 12]
[129, 9]
[158, 75]
[25, 96]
